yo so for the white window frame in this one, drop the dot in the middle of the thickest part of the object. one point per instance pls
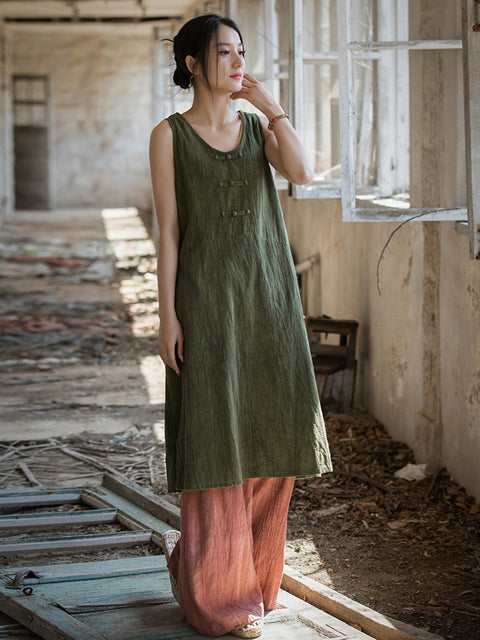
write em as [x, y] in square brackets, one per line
[471, 70]
[347, 51]
[297, 58]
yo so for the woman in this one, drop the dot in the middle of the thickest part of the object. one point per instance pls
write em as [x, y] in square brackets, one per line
[242, 416]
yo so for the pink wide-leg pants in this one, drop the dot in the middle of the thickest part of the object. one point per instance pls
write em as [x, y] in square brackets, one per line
[229, 560]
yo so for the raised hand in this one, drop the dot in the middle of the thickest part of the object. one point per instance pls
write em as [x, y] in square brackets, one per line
[258, 95]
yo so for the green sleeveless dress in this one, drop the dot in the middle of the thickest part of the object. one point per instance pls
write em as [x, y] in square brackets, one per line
[245, 404]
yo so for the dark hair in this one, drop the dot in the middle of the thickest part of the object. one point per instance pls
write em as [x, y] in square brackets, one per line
[194, 39]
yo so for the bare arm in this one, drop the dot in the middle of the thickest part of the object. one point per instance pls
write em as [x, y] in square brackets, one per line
[283, 147]
[163, 182]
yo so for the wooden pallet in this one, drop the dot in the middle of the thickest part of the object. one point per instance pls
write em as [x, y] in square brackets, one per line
[130, 598]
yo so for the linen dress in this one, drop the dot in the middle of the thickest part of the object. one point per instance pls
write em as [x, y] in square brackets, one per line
[245, 404]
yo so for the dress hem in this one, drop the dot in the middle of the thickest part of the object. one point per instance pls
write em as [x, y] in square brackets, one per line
[233, 483]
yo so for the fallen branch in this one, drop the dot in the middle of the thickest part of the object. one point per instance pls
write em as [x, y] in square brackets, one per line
[150, 468]
[363, 478]
[84, 458]
[322, 513]
[29, 475]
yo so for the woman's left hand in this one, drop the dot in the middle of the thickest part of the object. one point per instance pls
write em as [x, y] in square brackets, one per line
[257, 94]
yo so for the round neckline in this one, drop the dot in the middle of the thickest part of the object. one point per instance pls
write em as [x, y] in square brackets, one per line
[217, 151]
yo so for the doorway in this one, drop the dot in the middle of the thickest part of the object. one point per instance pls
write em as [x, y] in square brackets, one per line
[30, 108]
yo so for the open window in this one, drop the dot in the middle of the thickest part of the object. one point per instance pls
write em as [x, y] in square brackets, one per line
[351, 93]
[386, 191]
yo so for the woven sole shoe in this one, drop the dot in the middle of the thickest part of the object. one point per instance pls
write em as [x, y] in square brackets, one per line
[168, 540]
[250, 630]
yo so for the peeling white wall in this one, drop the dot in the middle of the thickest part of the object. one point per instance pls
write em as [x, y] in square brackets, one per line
[391, 379]
[101, 112]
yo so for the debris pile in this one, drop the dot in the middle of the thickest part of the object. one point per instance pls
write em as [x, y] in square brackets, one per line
[409, 549]
[83, 459]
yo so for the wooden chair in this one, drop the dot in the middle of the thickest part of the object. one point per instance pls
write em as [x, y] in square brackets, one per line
[330, 359]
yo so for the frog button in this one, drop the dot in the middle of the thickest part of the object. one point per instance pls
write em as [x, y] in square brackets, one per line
[232, 182]
[245, 182]
[247, 211]
[223, 213]
[229, 156]
[221, 184]
[234, 213]
[240, 155]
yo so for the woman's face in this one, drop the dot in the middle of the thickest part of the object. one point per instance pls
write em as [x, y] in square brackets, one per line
[226, 61]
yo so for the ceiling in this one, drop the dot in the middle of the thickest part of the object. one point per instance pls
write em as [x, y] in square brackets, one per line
[92, 10]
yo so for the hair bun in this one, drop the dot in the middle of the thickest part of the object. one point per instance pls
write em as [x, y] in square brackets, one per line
[181, 78]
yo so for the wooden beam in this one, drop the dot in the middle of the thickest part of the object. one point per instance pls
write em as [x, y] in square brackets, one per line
[156, 505]
[66, 543]
[374, 624]
[57, 519]
[38, 497]
[92, 570]
[44, 618]
[128, 514]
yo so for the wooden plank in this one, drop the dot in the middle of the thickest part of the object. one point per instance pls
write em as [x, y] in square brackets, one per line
[107, 592]
[156, 505]
[92, 570]
[38, 498]
[57, 519]
[65, 543]
[152, 622]
[319, 619]
[29, 491]
[43, 618]
[375, 624]
[18, 632]
[157, 622]
[329, 350]
[118, 601]
[128, 514]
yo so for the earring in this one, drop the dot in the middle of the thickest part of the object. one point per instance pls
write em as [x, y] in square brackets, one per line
[190, 82]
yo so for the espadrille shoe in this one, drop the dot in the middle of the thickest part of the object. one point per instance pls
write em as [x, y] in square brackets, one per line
[251, 630]
[168, 540]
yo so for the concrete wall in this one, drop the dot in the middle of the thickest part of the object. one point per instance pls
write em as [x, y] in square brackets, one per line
[419, 341]
[100, 113]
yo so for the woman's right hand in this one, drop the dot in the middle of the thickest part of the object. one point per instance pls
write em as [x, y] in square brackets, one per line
[170, 343]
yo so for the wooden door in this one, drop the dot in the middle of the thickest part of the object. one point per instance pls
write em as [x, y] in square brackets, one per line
[30, 98]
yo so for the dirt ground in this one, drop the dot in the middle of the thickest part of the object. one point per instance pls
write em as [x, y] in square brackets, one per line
[79, 377]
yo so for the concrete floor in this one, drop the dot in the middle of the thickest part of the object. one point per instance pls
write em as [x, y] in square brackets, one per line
[78, 324]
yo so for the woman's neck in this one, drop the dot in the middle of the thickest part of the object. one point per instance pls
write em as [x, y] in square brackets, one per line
[211, 110]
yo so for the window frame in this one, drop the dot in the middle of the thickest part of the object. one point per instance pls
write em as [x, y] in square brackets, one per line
[350, 210]
[297, 59]
[471, 71]
[30, 102]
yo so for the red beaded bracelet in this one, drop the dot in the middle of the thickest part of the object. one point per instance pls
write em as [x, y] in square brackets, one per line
[274, 120]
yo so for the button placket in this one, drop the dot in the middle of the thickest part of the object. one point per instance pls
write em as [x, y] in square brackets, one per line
[231, 184]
